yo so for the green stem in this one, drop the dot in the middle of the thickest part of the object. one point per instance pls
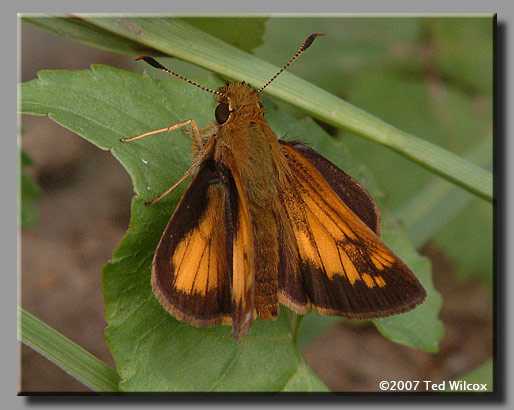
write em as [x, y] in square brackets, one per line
[70, 357]
[177, 38]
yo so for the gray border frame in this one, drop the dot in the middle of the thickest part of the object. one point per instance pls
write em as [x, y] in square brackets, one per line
[503, 183]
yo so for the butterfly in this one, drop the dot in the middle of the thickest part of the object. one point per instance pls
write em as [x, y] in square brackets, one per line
[265, 222]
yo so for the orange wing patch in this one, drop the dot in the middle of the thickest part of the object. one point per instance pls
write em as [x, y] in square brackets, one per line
[197, 258]
[345, 267]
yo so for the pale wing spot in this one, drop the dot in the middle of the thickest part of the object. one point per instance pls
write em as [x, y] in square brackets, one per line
[349, 268]
[368, 280]
[378, 262]
[379, 280]
[381, 259]
[248, 318]
[387, 258]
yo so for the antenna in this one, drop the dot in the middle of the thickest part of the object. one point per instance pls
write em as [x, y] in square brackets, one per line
[156, 64]
[304, 47]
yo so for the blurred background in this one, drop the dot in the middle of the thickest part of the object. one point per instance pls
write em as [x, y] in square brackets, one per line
[431, 77]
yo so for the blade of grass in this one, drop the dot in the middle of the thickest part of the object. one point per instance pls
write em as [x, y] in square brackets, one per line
[81, 31]
[179, 39]
[70, 357]
[425, 213]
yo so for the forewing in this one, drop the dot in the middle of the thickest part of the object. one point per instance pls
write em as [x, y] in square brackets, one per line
[345, 269]
[190, 272]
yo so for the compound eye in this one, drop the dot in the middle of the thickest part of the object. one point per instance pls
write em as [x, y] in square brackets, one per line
[222, 113]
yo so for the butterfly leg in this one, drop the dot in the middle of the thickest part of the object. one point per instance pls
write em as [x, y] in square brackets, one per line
[204, 136]
[207, 150]
[194, 127]
[197, 146]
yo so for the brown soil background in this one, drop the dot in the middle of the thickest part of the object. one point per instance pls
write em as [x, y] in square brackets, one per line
[84, 212]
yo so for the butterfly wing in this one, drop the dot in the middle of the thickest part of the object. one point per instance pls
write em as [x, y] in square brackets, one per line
[190, 272]
[343, 267]
[203, 267]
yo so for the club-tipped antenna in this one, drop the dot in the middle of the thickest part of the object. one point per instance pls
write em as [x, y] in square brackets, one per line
[304, 47]
[156, 64]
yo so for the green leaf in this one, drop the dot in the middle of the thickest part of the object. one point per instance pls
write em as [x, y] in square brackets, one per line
[182, 40]
[313, 326]
[29, 192]
[420, 327]
[25, 159]
[303, 380]
[475, 223]
[70, 357]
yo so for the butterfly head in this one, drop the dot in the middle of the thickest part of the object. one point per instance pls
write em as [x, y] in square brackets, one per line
[237, 100]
